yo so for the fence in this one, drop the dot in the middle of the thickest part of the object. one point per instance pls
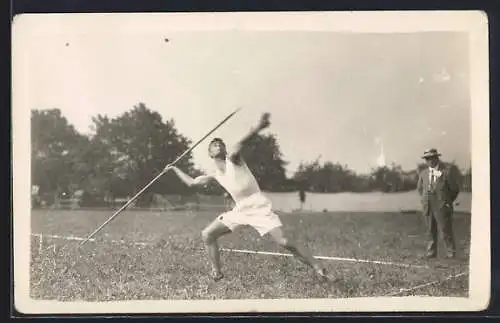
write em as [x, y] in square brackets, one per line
[290, 202]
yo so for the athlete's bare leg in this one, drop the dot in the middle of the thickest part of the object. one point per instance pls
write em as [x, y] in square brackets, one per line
[210, 234]
[303, 255]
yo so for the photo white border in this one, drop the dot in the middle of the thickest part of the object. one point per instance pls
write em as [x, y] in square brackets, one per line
[473, 22]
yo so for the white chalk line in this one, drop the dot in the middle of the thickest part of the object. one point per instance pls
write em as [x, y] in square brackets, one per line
[328, 258]
[73, 238]
[402, 290]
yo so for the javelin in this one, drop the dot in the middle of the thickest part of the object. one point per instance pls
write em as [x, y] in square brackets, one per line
[156, 178]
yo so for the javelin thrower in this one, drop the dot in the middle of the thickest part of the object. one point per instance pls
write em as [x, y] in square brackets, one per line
[251, 208]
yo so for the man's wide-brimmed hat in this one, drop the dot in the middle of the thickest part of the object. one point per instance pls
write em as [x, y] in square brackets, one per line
[431, 153]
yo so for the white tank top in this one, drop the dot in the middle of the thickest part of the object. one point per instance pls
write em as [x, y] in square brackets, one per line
[238, 180]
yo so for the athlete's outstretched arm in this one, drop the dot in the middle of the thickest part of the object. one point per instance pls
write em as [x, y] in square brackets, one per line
[188, 180]
[263, 123]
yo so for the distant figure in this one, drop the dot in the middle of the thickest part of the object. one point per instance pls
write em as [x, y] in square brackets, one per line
[252, 207]
[438, 188]
[302, 197]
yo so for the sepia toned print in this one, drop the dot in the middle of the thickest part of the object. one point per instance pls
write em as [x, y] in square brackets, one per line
[241, 162]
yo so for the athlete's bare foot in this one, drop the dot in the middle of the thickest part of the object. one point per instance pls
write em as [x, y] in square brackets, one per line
[321, 272]
[217, 275]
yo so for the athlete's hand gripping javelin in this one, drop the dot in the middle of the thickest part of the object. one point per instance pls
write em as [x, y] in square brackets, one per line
[264, 121]
[167, 168]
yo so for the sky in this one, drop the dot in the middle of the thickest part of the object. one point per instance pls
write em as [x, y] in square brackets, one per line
[337, 96]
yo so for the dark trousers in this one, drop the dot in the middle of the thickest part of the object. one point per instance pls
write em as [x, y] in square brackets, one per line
[439, 219]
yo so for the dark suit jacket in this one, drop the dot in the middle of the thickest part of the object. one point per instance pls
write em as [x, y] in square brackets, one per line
[445, 189]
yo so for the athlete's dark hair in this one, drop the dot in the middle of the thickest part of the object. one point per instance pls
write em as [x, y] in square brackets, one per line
[219, 140]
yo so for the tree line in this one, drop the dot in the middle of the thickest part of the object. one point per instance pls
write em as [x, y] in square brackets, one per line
[124, 153]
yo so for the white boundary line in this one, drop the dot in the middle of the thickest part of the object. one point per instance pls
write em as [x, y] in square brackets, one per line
[329, 258]
[72, 238]
[402, 290]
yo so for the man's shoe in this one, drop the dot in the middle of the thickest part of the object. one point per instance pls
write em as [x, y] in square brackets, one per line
[430, 255]
[451, 255]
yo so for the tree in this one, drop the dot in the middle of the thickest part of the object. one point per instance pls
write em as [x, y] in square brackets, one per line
[385, 179]
[393, 179]
[467, 180]
[100, 165]
[326, 178]
[139, 145]
[264, 158]
[55, 151]
[456, 173]
[306, 177]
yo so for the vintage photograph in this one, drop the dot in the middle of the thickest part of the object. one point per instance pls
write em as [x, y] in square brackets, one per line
[239, 162]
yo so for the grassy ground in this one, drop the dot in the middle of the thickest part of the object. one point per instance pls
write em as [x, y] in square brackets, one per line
[171, 264]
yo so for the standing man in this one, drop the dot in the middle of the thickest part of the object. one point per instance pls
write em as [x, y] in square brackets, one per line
[251, 206]
[438, 188]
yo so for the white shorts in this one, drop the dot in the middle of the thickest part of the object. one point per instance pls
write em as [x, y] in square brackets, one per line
[255, 211]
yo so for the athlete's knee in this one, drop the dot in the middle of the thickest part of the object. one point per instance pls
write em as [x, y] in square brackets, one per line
[285, 242]
[208, 236]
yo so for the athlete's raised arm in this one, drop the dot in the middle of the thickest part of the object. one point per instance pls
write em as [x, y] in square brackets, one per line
[188, 180]
[236, 151]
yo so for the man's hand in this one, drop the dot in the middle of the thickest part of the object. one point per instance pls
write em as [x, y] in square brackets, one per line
[264, 121]
[235, 152]
[167, 168]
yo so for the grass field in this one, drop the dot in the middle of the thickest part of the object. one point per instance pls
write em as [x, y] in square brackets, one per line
[159, 255]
